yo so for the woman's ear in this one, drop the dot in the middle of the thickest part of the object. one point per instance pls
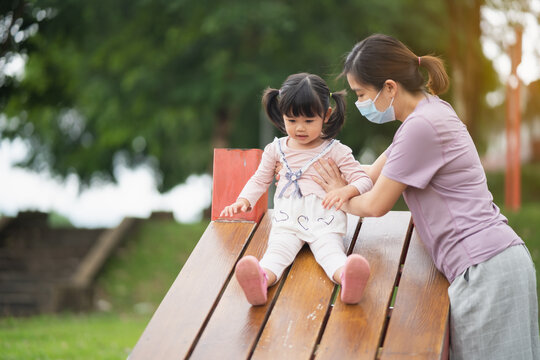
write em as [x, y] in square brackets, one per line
[391, 86]
[327, 116]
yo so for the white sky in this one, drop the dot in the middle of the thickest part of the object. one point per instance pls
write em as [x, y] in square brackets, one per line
[106, 205]
[102, 205]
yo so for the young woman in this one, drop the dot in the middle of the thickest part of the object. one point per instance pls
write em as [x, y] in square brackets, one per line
[433, 162]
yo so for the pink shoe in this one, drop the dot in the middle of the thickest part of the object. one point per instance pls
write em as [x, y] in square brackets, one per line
[252, 279]
[354, 279]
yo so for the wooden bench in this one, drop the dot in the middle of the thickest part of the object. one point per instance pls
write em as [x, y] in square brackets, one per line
[404, 313]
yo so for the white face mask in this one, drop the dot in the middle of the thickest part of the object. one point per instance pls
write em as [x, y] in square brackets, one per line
[369, 111]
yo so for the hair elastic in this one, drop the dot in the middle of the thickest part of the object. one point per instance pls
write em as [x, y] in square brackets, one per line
[419, 60]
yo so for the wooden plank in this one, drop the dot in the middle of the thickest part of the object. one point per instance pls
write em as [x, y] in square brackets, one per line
[355, 331]
[419, 321]
[293, 328]
[232, 170]
[295, 322]
[235, 325]
[180, 316]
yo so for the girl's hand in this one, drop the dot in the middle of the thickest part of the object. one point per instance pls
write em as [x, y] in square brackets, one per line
[240, 205]
[279, 165]
[340, 196]
[331, 178]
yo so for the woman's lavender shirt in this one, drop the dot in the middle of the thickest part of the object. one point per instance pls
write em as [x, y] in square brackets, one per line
[447, 194]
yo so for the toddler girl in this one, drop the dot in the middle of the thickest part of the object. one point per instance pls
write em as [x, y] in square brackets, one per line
[301, 109]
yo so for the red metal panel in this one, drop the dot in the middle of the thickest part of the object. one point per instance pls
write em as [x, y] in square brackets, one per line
[232, 169]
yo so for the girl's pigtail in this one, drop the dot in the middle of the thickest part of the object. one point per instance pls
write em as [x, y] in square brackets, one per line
[337, 118]
[270, 104]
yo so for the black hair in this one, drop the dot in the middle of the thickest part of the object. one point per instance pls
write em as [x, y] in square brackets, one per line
[307, 95]
[379, 57]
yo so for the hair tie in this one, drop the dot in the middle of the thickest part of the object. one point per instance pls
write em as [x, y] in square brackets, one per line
[419, 60]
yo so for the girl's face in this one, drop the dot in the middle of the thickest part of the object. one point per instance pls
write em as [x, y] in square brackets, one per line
[305, 131]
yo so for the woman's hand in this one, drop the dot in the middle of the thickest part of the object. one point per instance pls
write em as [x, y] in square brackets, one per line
[331, 178]
[240, 205]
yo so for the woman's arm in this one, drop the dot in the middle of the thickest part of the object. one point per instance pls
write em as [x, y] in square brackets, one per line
[374, 170]
[329, 171]
[374, 203]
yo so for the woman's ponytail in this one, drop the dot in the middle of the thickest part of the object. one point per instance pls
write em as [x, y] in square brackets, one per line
[438, 81]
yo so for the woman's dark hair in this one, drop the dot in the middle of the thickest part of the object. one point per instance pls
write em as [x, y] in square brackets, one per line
[379, 57]
[305, 95]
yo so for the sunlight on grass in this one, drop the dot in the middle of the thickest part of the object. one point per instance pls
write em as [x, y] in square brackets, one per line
[70, 336]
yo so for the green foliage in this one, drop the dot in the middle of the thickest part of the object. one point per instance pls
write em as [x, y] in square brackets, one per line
[17, 23]
[163, 82]
[530, 178]
[57, 220]
[532, 108]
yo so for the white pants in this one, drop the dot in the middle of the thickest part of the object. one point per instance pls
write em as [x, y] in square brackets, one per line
[304, 220]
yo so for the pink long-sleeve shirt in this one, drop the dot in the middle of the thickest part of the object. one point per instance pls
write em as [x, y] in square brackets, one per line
[296, 158]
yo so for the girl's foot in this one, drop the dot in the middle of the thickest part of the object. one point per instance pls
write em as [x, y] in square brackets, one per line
[252, 279]
[354, 279]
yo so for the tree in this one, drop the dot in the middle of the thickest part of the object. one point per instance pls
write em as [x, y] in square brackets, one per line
[163, 82]
[473, 75]
[17, 24]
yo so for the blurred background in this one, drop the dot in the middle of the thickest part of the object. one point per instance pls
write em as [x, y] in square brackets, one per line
[112, 109]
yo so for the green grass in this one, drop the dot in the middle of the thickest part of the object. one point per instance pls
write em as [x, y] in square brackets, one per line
[68, 336]
[132, 285]
[138, 277]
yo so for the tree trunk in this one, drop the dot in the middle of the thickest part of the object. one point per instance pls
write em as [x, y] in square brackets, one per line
[220, 136]
[465, 55]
